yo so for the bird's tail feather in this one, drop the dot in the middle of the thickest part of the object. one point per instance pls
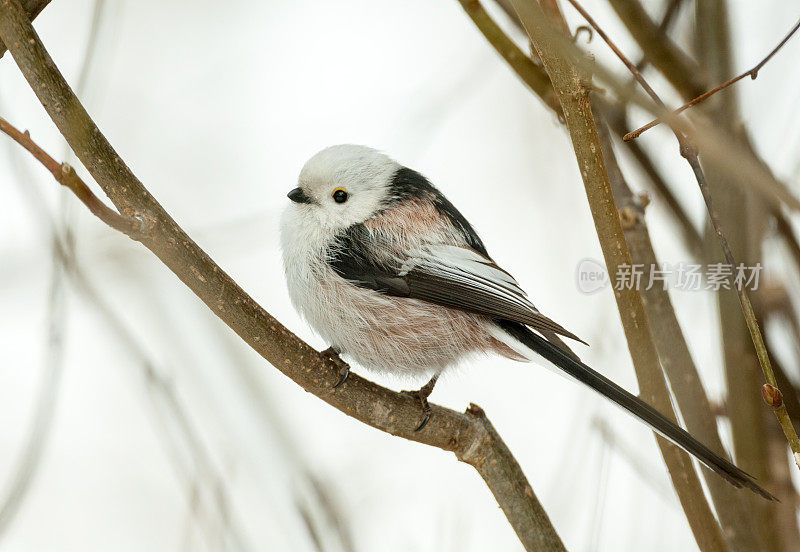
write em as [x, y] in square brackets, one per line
[634, 405]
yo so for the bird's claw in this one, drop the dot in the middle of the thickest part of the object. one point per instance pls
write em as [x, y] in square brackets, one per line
[343, 377]
[344, 368]
[424, 422]
[426, 408]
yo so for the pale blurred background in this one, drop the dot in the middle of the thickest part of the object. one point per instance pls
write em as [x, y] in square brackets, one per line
[133, 419]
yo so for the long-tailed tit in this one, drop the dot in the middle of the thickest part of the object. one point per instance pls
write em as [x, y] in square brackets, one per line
[386, 270]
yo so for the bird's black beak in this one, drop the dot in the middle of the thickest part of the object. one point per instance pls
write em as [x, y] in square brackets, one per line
[298, 196]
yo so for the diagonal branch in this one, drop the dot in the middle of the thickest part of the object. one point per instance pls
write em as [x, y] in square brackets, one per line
[690, 152]
[752, 73]
[67, 176]
[537, 80]
[572, 88]
[617, 119]
[750, 171]
[676, 360]
[470, 435]
[33, 8]
[672, 349]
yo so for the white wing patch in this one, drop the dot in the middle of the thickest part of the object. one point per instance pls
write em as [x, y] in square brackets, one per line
[450, 258]
[468, 267]
[463, 278]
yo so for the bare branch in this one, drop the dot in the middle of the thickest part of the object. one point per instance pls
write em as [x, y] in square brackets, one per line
[752, 73]
[470, 435]
[750, 172]
[690, 153]
[616, 117]
[630, 65]
[676, 360]
[33, 8]
[67, 176]
[571, 86]
[533, 74]
[743, 216]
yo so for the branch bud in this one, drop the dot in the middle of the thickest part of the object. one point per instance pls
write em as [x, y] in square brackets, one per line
[772, 395]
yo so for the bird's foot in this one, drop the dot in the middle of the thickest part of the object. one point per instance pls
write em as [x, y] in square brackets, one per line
[426, 408]
[344, 368]
[422, 395]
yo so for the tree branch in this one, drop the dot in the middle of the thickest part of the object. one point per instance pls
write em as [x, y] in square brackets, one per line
[690, 153]
[749, 171]
[743, 217]
[67, 176]
[617, 119]
[530, 73]
[33, 8]
[571, 86]
[676, 360]
[470, 435]
[752, 73]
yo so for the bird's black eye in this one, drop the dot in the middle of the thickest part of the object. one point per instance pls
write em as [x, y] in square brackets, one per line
[339, 195]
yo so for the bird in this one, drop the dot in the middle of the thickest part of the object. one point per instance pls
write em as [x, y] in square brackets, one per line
[391, 275]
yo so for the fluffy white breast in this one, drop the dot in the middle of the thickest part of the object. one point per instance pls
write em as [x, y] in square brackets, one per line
[304, 248]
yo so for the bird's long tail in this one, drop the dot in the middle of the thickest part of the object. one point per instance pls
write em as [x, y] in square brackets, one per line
[633, 404]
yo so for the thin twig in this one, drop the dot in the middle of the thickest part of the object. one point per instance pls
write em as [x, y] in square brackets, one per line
[750, 171]
[541, 86]
[42, 420]
[617, 119]
[67, 176]
[744, 220]
[752, 73]
[630, 65]
[539, 83]
[751, 168]
[690, 153]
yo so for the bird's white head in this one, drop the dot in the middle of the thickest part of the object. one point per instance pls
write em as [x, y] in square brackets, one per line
[341, 186]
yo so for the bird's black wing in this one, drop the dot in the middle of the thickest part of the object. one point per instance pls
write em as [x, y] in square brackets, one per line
[455, 277]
